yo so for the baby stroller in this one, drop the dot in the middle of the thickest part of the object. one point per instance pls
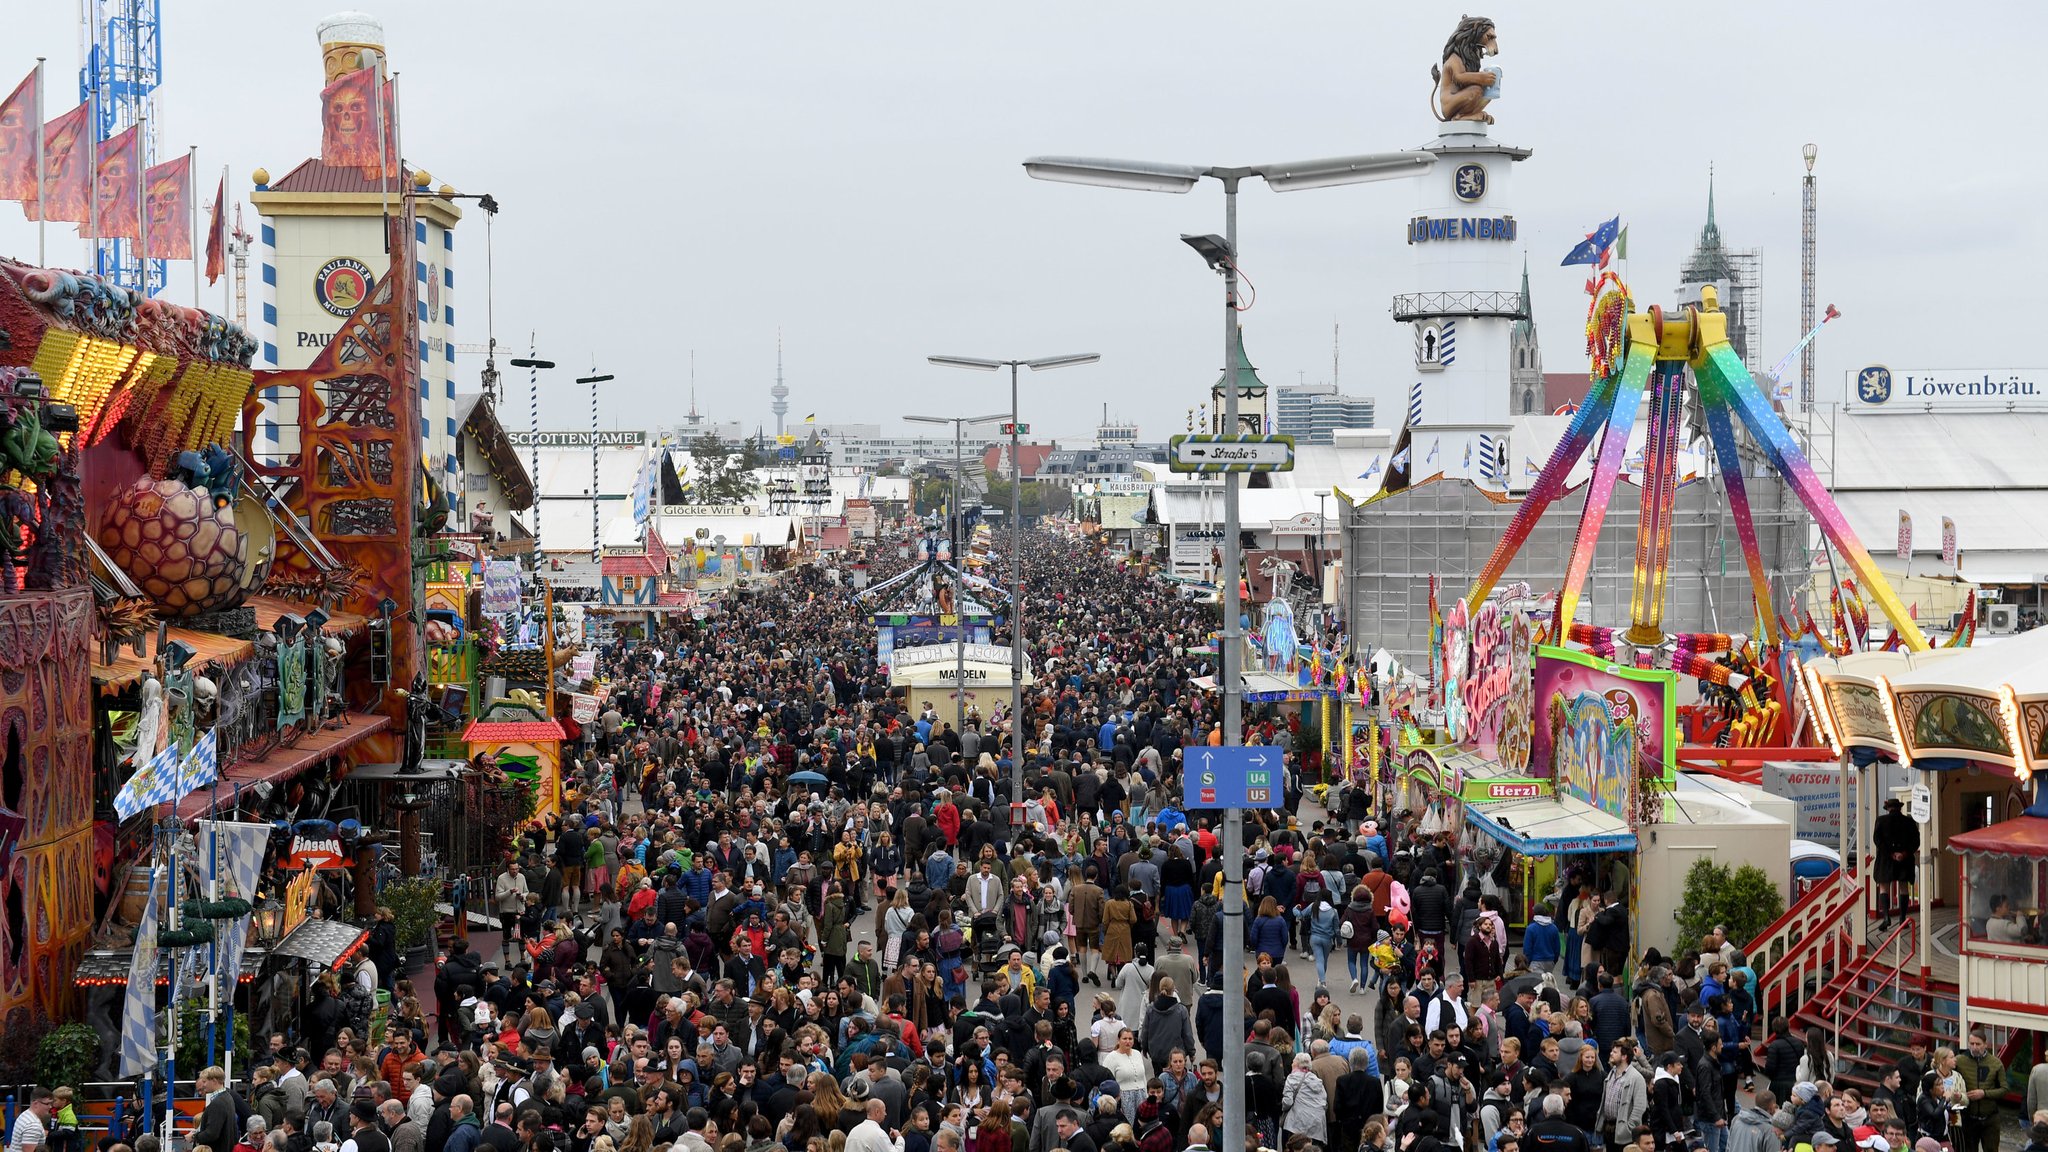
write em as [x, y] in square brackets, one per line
[988, 941]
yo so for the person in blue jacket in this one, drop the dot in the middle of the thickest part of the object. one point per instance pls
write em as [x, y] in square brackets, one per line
[1541, 941]
[1269, 931]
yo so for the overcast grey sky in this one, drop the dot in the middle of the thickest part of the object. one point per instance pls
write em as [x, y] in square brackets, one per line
[681, 176]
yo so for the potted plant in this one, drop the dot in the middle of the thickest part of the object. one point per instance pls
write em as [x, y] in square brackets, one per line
[412, 902]
[67, 1055]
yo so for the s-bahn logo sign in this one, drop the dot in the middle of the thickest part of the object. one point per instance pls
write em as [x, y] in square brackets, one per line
[342, 284]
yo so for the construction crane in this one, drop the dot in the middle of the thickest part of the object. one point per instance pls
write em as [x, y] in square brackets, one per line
[238, 248]
[122, 48]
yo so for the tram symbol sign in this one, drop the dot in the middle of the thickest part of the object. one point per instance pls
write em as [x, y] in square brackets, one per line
[1233, 777]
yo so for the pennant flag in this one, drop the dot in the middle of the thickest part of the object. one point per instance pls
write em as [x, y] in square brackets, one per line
[1433, 446]
[66, 183]
[1401, 458]
[217, 234]
[240, 863]
[18, 142]
[1594, 248]
[1371, 470]
[1468, 454]
[355, 112]
[156, 783]
[1621, 245]
[167, 193]
[115, 187]
[201, 767]
[138, 1008]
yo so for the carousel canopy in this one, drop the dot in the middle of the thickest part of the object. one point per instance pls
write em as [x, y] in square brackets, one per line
[2021, 836]
[1941, 708]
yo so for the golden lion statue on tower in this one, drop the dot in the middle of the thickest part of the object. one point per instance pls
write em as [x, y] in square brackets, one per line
[1462, 89]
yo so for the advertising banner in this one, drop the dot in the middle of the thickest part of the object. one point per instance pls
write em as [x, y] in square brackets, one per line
[501, 588]
[1594, 719]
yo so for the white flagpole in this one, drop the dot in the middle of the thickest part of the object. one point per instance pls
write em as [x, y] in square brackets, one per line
[141, 205]
[383, 181]
[92, 169]
[192, 206]
[42, 176]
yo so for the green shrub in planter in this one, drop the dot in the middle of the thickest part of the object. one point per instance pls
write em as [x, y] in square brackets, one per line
[67, 1055]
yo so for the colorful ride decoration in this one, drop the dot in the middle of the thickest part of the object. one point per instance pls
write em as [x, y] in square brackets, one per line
[355, 479]
[46, 828]
[1744, 700]
[179, 546]
[99, 390]
[1663, 347]
[527, 744]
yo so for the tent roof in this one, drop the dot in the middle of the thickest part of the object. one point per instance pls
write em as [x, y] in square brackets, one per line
[2020, 836]
[1552, 826]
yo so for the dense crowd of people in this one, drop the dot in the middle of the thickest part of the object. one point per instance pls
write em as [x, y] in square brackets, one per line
[702, 953]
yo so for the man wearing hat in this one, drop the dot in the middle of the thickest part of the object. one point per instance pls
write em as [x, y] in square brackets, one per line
[1896, 839]
[364, 1135]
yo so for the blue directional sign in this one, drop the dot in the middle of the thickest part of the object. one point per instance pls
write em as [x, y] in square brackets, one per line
[1232, 777]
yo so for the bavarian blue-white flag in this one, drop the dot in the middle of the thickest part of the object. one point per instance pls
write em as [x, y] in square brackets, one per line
[235, 850]
[138, 1009]
[157, 783]
[201, 768]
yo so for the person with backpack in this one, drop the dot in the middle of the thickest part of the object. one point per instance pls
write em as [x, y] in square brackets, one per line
[1358, 932]
[1324, 923]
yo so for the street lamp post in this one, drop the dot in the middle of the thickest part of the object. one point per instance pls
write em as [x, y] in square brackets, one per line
[959, 424]
[1016, 553]
[596, 536]
[533, 449]
[1146, 176]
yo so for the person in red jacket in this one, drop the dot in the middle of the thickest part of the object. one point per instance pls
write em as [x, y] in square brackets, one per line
[947, 817]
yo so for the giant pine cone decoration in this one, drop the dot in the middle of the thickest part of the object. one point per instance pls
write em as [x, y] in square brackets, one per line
[186, 554]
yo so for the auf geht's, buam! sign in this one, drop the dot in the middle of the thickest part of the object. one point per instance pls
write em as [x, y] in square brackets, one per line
[1880, 388]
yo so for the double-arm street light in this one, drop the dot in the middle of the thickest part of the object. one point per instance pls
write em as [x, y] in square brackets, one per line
[596, 536]
[1221, 255]
[533, 449]
[1041, 364]
[959, 424]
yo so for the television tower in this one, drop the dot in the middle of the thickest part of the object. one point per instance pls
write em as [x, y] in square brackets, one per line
[780, 406]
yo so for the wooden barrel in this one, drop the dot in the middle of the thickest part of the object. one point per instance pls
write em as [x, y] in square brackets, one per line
[134, 895]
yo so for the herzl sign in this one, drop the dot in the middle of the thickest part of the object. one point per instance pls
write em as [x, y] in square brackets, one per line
[615, 438]
[1880, 388]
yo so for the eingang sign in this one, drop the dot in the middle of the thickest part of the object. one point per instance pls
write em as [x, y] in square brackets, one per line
[1878, 388]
